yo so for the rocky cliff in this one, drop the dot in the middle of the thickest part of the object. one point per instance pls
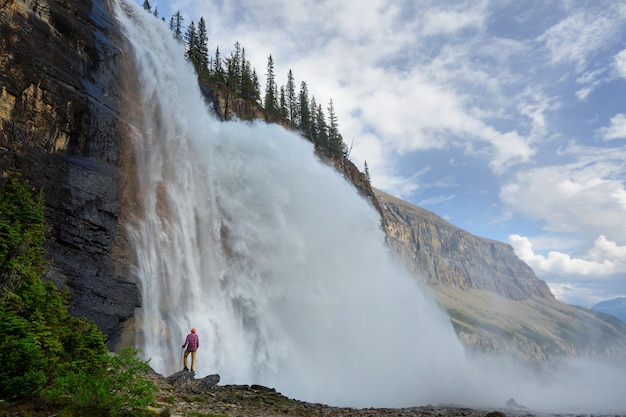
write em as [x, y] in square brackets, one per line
[446, 255]
[59, 127]
[495, 301]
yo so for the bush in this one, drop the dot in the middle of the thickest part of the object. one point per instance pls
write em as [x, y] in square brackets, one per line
[117, 387]
[21, 357]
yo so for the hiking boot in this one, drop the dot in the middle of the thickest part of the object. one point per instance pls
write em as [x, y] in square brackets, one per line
[185, 369]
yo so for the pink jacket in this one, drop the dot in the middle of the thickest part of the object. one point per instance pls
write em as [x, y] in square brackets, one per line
[192, 342]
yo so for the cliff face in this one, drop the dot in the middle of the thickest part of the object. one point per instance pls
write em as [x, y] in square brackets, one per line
[60, 129]
[228, 107]
[495, 301]
[447, 255]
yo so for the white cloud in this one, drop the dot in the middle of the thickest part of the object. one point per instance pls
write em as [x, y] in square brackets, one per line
[535, 104]
[580, 294]
[620, 63]
[597, 274]
[592, 80]
[604, 258]
[586, 197]
[617, 129]
[579, 36]
[447, 20]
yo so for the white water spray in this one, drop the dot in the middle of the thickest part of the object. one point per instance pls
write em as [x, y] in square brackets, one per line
[281, 267]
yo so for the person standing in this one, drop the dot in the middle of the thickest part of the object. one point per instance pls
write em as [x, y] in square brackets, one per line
[192, 343]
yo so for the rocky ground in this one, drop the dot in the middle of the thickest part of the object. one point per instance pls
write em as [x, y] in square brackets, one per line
[182, 395]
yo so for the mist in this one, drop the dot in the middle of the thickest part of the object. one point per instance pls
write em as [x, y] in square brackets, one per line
[241, 232]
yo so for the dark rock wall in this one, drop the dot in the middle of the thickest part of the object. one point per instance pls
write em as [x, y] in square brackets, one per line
[59, 127]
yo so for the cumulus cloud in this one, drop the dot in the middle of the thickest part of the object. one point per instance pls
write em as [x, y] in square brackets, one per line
[586, 197]
[617, 129]
[581, 294]
[604, 258]
[594, 275]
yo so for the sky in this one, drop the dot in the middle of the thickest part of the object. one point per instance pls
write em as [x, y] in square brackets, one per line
[507, 118]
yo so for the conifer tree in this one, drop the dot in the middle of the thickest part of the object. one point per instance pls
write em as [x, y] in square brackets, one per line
[244, 71]
[314, 128]
[367, 172]
[146, 6]
[257, 86]
[155, 13]
[291, 99]
[191, 37]
[304, 114]
[283, 111]
[248, 89]
[322, 128]
[218, 69]
[176, 25]
[335, 141]
[233, 69]
[270, 101]
[203, 49]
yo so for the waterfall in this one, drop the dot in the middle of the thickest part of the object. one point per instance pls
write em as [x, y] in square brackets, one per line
[241, 232]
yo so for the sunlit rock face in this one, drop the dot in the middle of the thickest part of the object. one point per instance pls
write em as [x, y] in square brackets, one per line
[447, 255]
[495, 300]
[59, 127]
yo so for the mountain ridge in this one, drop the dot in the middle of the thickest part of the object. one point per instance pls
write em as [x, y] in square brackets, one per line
[615, 307]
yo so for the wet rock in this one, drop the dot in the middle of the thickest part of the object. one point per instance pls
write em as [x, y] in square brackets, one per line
[60, 128]
[181, 379]
[209, 382]
[186, 380]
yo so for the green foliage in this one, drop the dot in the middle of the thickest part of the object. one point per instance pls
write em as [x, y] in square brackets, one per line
[43, 349]
[116, 386]
[271, 93]
[21, 236]
[21, 356]
[22, 348]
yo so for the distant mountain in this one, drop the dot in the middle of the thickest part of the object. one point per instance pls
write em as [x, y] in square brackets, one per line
[615, 307]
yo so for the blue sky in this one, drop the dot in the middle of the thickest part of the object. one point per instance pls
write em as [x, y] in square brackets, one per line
[506, 118]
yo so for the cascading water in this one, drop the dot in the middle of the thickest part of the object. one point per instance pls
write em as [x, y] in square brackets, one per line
[242, 233]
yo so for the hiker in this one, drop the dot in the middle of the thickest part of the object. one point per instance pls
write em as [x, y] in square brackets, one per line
[192, 343]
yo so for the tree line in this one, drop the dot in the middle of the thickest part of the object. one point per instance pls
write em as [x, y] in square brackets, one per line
[286, 104]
